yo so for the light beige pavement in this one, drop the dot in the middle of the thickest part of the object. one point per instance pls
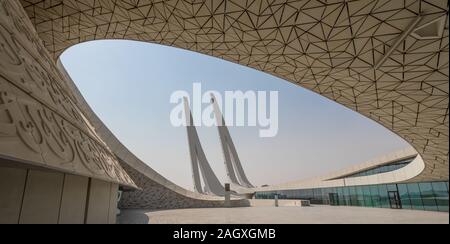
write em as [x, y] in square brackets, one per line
[283, 215]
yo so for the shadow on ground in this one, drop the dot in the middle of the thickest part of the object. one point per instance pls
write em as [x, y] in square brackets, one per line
[133, 217]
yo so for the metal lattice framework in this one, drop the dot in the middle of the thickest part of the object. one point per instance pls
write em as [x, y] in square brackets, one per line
[381, 58]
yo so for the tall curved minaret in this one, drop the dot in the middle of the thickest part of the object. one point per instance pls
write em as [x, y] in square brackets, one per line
[199, 161]
[233, 165]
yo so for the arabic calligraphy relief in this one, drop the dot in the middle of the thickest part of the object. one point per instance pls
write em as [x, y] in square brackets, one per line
[39, 123]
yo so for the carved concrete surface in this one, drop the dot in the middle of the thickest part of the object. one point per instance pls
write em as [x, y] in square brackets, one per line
[386, 59]
[156, 196]
[39, 123]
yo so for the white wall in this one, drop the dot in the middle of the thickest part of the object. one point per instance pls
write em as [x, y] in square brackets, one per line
[40, 196]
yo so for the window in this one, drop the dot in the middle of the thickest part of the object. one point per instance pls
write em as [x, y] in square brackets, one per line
[367, 197]
[347, 196]
[441, 194]
[309, 194]
[416, 198]
[360, 196]
[340, 192]
[326, 195]
[317, 196]
[302, 194]
[404, 196]
[392, 187]
[428, 198]
[384, 198]
[375, 196]
[353, 197]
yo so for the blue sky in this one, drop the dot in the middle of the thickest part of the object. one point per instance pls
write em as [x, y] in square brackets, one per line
[129, 84]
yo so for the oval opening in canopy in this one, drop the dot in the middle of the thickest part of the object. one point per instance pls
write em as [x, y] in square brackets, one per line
[128, 84]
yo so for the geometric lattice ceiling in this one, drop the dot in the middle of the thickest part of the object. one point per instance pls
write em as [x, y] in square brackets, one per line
[366, 55]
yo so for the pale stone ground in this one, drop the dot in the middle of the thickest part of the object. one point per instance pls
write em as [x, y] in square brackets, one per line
[283, 215]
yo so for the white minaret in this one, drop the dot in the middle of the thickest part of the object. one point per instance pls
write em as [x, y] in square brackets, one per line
[199, 161]
[233, 165]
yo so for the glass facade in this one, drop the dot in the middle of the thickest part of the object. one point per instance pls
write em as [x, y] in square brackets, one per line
[381, 169]
[429, 196]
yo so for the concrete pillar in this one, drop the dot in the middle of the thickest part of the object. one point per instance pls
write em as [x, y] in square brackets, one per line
[276, 201]
[114, 200]
[227, 195]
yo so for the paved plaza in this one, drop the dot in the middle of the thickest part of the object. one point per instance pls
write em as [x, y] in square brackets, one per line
[283, 215]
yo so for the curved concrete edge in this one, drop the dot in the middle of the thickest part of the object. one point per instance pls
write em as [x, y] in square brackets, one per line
[408, 173]
[122, 152]
[338, 179]
[402, 175]
[406, 153]
[154, 195]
